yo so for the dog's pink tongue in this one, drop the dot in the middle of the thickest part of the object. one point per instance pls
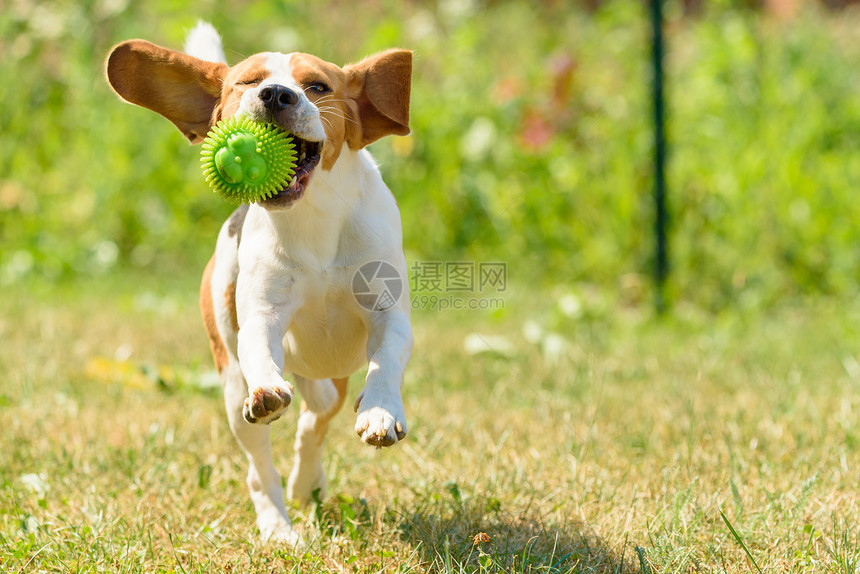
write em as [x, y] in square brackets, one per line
[303, 179]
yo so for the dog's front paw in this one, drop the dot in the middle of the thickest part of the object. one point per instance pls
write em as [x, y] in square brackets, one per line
[267, 404]
[378, 423]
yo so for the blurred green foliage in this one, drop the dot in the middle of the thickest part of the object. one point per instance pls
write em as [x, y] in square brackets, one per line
[531, 141]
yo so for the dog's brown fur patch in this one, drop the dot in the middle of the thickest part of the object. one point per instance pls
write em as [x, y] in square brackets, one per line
[230, 301]
[207, 309]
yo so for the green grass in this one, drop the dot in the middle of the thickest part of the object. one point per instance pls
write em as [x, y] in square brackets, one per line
[612, 448]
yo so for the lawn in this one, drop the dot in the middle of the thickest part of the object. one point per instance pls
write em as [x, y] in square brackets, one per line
[561, 427]
[612, 448]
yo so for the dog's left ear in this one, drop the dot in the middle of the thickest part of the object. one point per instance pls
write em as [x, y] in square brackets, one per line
[377, 92]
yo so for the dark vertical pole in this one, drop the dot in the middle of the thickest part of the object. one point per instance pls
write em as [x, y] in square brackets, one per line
[661, 261]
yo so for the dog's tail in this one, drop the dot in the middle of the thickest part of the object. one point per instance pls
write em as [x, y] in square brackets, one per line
[203, 42]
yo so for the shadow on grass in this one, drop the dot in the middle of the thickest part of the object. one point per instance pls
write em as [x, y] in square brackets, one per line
[477, 536]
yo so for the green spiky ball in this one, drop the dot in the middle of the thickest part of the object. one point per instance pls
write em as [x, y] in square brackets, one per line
[247, 161]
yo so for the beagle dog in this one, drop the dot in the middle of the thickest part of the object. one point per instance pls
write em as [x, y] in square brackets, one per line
[285, 292]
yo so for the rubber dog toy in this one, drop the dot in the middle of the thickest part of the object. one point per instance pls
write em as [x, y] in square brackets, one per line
[247, 161]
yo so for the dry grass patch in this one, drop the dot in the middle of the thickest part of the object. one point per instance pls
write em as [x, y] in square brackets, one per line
[601, 442]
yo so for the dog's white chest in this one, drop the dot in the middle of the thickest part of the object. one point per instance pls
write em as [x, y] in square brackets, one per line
[327, 336]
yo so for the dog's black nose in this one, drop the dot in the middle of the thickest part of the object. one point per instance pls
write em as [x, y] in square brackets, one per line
[277, 98]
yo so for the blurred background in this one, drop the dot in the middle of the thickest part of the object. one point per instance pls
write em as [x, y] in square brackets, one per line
[531, 143]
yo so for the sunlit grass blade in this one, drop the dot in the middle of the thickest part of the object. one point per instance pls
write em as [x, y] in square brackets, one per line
[741, 542]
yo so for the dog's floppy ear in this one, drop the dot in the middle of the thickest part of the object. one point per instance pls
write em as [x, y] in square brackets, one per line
[181, 88]
[377, 92]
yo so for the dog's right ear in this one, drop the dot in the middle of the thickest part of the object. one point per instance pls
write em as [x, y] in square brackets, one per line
[181, 88]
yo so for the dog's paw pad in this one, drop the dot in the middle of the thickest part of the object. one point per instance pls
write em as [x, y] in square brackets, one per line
[266, 404]
[378, 427]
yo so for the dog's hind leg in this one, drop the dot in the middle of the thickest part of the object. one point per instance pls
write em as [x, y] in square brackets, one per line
[322, 400]
[264, 481]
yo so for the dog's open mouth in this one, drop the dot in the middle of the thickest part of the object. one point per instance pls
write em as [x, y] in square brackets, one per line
[308, 155]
